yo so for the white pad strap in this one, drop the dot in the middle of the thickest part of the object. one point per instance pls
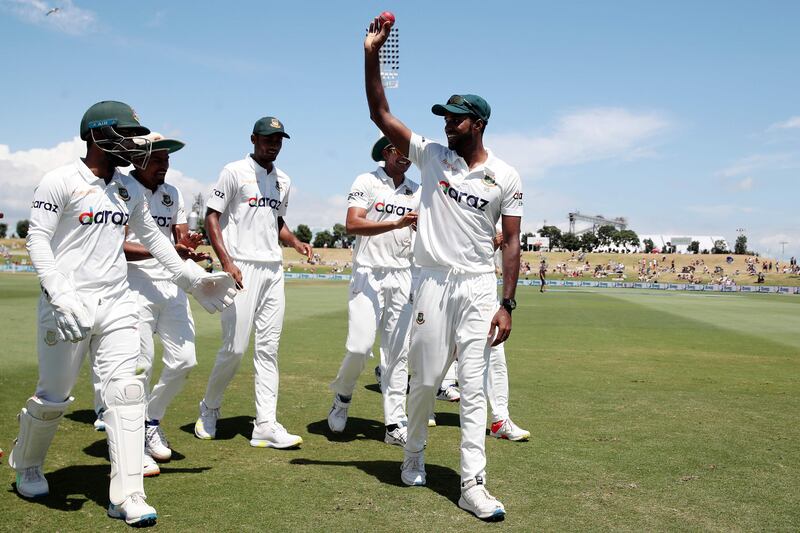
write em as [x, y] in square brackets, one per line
[38, 422]
[124, 418]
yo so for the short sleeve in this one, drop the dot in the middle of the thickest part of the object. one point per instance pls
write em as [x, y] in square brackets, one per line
[360, 193]
[418, 149]
[512, 204]
[180, 216]
[222, 191]
[285, 200]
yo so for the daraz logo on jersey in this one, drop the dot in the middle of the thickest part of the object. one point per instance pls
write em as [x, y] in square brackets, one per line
[459, 196]
[399, 210]
[118, 218]
[264, 202]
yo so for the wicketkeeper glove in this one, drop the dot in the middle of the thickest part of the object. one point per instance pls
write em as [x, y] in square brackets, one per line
[214, 292]
[72, 318]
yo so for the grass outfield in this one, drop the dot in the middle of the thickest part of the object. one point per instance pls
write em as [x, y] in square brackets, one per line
[649, 411]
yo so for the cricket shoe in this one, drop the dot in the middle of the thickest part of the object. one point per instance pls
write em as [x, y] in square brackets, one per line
[337, 417]
[432, 420]
[274, 435]
[449, 394]
[31, 483]
[150, 467]
[134, 511]
[99, 424]
[477, 500]
[412, 471]
[397, 437]
[378, 375]
[155, 443]
[506, 429]
[206, 426]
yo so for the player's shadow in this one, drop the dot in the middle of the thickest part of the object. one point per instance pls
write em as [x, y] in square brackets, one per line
[99, 448]
[228, 428]
[374, 387]
[71, 487]
[448, 419]
[440, 479]
[84, 416]
[357, 429]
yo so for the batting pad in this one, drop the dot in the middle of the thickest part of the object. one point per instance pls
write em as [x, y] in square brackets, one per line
[38, 422]
[124, 418]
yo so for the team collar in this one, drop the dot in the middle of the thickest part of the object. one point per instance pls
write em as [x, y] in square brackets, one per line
[255, 166]
[387, 178]
[89, 177]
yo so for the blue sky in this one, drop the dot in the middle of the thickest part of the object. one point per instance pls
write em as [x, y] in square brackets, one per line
[681, 116]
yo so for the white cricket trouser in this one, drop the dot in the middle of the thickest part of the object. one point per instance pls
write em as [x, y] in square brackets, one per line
[262, 303]
[379, 301]
[164, 310]
[113, 345]
[496, 382]
[452, 313]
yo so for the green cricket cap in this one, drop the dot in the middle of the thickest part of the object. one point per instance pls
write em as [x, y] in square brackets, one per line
[159, 142]
[378, 147]
[464, 104]
[268, 126]
[111, 113]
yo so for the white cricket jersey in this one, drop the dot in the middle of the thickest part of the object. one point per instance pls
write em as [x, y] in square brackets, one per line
[167, 210]
[77, 227]
[375, 192]
[250, 200]
[459, 207]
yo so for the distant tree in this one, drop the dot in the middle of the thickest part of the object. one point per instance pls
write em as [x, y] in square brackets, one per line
[571, 242]
[340, 234]
[740, 248]
[554, 234]
[694, 247]
[3, 230]
[526, 239]
[628, 237]
[323, 239]
[22, 228]
[588, 241]
[648, 245]
[607, 234]
[719, 247]
[303, 233]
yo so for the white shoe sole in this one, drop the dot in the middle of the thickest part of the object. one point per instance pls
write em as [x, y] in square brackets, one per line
[519, 438]
[32, 496]
[147, 520]
[260, 443]
[493, 516]
[199, 432]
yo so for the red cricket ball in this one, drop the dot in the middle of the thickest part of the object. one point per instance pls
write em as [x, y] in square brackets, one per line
[386, 16]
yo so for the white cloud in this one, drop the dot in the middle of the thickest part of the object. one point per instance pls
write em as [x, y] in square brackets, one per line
[744, 185]
[792, 123]
[315, 211]
[587, 135]
[63, 16]
[747, 165]
[21, 172]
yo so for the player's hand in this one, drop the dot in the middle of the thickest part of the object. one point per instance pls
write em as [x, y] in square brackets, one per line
[235, 273]
[498, 240]
[376, 35]
[191, 240]
[72, 319]
[407, 220]
[500, 328]
[190, 253]
[305, 249]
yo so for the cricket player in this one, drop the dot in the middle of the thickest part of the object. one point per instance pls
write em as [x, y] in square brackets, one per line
[163, 306]
[78, 219]
[381, 209]
[244, 221]
[465, 190]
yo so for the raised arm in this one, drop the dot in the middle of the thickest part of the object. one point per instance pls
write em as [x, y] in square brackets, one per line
[397, 132]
